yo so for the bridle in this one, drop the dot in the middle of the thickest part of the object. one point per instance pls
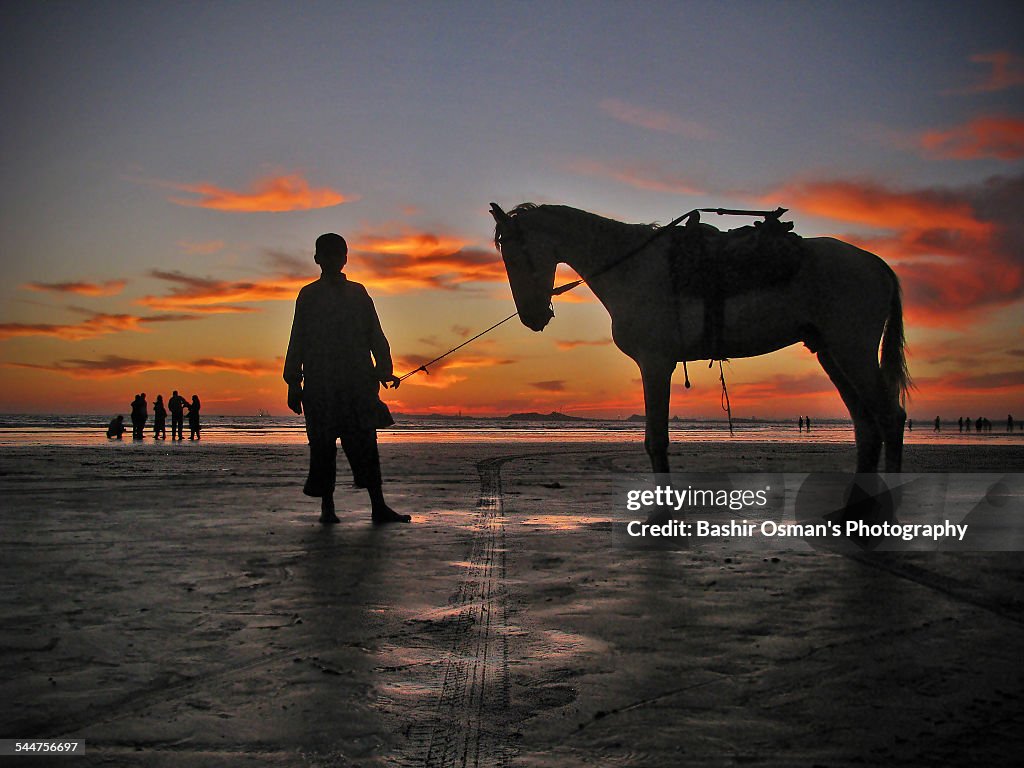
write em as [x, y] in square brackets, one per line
[508, 231]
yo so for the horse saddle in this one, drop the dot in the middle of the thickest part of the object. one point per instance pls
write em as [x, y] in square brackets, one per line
[713, 266]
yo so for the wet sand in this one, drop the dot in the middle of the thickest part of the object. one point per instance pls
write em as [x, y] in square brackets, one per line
[180, 605]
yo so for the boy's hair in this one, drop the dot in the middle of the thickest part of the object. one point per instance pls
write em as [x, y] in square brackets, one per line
[331, 244]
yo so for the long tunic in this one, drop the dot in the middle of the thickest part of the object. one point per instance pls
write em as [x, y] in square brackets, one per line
[339, 353]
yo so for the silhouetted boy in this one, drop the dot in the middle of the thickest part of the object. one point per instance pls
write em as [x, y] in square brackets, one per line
[193, 417]
[337, 359]
[140, 412]
[159, 419]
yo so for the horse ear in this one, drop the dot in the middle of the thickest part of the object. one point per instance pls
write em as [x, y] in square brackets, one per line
[499, 215]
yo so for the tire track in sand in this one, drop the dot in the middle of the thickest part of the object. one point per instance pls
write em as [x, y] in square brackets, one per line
[468, 725]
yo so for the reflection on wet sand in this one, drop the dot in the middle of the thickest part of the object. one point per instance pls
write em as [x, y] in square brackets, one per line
[224, 626]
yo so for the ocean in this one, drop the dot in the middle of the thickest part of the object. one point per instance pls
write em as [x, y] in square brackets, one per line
[34, 429]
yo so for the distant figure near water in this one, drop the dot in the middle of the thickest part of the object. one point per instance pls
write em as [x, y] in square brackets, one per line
[140, 412]
[910, 425]
[800, 423]
[176, 405]
[193, 417]
[1009, 422]
[338, 356]
[938, 425]
[116, 427]
[807, 422]
[159, 419]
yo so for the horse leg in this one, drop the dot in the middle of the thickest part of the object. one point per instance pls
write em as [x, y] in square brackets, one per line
[882, 404]
[892, 425]
[657, 378]
[866, 429]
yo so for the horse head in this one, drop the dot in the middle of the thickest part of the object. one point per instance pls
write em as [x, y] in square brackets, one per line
[530, 276]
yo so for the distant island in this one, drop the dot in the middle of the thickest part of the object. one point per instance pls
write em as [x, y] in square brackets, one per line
[564, 417]
[553, 416]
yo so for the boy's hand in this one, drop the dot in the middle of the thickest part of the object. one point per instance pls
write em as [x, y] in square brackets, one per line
[393, 380]
[295, 398]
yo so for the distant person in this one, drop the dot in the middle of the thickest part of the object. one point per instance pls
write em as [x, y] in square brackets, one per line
[960, 423]
[193, 417]
[338, 356]
[140, 413]
[116, 428]
[801, 424]
[938, 425]
[159, 419]
[807, 422]
[910, 425]
[967, 424]
[176, 405]
[979, 425]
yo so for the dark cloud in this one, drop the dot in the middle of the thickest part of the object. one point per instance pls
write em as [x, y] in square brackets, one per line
[555, 385]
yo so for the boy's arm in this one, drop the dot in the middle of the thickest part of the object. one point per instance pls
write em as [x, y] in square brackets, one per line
[380, 348]
[293, 360]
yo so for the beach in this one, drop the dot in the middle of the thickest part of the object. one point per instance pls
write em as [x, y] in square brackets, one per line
[179, 604]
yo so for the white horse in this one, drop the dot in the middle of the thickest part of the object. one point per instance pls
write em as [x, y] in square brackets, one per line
[841, 302]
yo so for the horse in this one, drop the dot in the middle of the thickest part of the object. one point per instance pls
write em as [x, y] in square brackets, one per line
[841, 301]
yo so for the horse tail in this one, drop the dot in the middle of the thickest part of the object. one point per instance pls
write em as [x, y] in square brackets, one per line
[894, 353]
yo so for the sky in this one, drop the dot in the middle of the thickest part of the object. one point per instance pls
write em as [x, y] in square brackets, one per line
[167, 167]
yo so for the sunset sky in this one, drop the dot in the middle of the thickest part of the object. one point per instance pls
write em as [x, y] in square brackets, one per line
[167, 166]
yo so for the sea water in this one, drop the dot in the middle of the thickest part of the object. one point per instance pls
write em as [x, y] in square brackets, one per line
[34, 429]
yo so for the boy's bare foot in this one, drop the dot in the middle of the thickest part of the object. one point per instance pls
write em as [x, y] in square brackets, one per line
[327, 516]
[388, 515]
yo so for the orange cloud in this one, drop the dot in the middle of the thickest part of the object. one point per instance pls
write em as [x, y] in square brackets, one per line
[556, 385]
[201, 248]
[409, 261]
[998, 137]
[418, 245]
[653, 119]
[290, 192]
[98, 324]
[649, 179]
[111, 366]
[1006, 71]
[106, 288]
[998, 389]
[572, 344]
[782, 386]
[207, 295]
[958, 251]
[244, 366]
[439, 375]
[875, 205]
[421, 261]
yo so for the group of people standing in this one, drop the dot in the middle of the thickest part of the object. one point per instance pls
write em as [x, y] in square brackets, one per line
[981, 424]
[176, 406]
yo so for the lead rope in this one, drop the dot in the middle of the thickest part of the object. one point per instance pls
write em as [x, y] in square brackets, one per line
[725, 395]
[454, 349]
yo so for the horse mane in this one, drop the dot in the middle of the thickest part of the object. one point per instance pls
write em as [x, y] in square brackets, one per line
[512, 215]
[527, 207]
